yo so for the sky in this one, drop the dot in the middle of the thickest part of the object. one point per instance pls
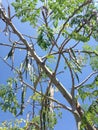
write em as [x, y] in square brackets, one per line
[67, 121]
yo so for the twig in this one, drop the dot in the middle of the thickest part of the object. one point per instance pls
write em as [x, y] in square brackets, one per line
[72, 78]
[57, 65]
[17, 47]
[79, 85]
[85, 3]
[63, 106]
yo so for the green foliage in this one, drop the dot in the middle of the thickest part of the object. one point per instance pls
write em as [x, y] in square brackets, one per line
[91, 115]
[87, 47]
[57, 13]
[78, 37]
[8, 98]
[44, 37]
[12, 125]
[93, 112]
[92, 55]
[57, 23]
[94, 63]
[89, 91]
[36, 97]
[27, 10]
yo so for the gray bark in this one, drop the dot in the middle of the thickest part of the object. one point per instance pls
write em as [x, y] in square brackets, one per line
[78, 112]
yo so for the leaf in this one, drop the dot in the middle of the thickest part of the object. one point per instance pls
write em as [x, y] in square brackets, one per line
[50, 56]
[55, 23]
[10, 54]
[76, 20]
[43, 42]
[94, 63]
[27, 11]
[79, 37]
[87, 47]
[8, 97]
[36, 97]
[96, 52]
[83, 94]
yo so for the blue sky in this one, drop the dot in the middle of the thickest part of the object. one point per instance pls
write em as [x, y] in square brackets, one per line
[67, 121]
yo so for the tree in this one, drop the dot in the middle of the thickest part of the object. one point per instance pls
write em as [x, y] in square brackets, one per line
[60, 47]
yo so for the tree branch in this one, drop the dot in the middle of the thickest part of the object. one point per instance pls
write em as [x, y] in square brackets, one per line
[75, 11]
[85, 80]
[60, 87]
[34, 89]
[16, 47]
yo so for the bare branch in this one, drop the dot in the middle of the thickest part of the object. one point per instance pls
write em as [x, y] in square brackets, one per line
[85, 80]
[16, 47]
[57, 65]
[61, 88]
[47, 97]
[73, 82]
[34, 89]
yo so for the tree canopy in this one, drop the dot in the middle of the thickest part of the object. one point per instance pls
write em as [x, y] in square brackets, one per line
[51, 61]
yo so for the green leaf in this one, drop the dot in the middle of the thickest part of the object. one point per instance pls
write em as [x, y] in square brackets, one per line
[36, 97]
[79, 37]
[50, 56]
[55, 23]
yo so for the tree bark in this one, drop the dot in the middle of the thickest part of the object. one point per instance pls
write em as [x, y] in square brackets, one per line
[78, 112]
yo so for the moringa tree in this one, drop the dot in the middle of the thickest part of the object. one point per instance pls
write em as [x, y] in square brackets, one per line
[58, 48]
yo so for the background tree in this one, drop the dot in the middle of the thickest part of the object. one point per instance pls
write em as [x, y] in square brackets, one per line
[59, 47]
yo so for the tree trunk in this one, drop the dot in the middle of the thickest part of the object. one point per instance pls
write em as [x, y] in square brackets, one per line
[79, 116]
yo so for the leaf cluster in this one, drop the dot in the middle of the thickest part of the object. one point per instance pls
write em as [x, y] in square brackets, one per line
[26, 10]
[8, 97]
[44, 38]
